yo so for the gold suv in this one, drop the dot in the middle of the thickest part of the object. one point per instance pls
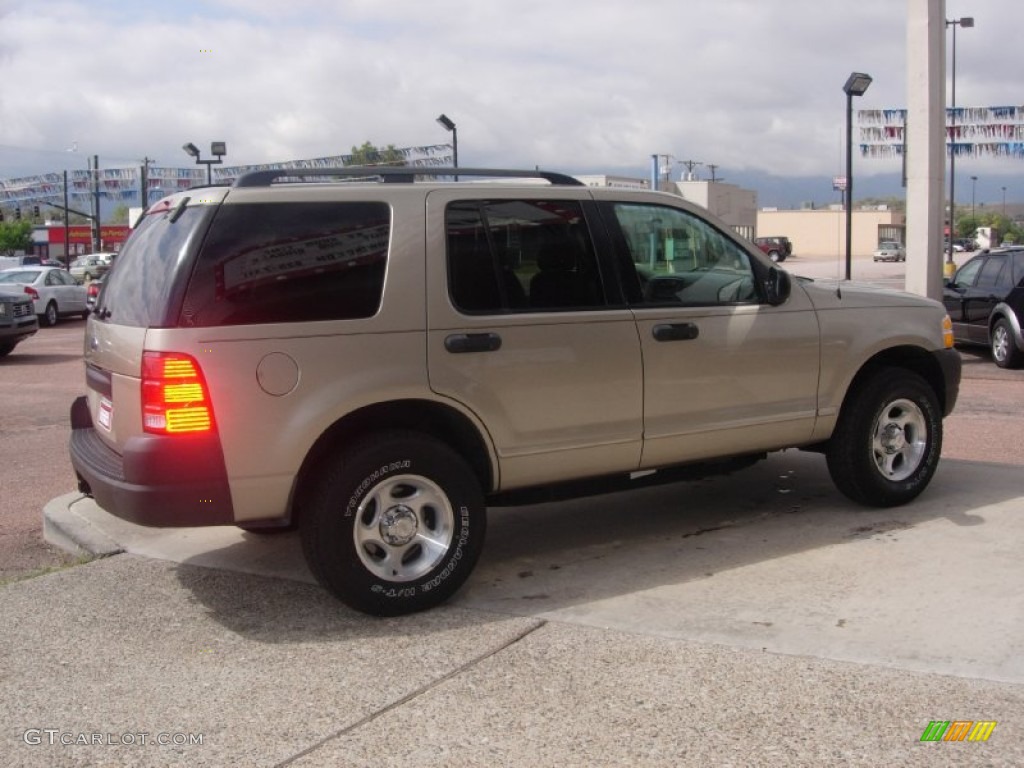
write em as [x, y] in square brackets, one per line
[376, 358]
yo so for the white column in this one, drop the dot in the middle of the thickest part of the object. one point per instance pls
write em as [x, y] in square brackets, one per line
[925, 142]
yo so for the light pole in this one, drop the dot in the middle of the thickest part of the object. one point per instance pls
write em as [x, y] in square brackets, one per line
[974, 184]
[856, 84]
[966, 21]
[217, 148]
[1004, 202]
[449, 125]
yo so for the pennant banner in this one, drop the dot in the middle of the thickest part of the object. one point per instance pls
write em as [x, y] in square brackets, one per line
[121, 184]
[970, 132]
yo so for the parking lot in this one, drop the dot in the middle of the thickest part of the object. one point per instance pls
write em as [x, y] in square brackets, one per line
[753, 619]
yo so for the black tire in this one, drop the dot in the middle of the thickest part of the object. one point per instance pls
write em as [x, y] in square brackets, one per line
[1004, 348]
[49, 316]
[774, 256]
[414, 485]
[887, 443]
[6, 349]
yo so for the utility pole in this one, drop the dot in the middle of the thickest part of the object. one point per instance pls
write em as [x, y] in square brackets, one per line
[144, 175]
[714, 167]
[690, 165]
[96, 203]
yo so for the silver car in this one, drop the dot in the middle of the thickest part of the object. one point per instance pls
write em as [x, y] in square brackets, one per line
[890, 251]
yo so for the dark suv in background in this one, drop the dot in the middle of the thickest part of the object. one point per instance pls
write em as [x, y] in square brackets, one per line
[985, 300]
[776, 248]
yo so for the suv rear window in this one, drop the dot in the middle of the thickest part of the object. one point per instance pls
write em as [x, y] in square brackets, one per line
[139, 290]
[290, 262]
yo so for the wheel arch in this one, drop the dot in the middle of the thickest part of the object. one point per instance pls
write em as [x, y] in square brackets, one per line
[431, 418]
[909, 358]
[1003, 311]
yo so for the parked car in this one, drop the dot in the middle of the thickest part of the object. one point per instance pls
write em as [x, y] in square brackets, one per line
[985, 299]
[92, 291]
[379, 361]
[18, 319]
[890, 251]
[775, 247]
[86, 268]
[54, 292]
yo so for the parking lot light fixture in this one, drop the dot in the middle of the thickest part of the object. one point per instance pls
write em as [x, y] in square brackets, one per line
[449, 125]
[217, 148]
[967, 21]
[856, 84]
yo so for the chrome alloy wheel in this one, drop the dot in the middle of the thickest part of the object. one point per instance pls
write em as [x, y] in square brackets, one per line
[1001, 342]
[900, 440]
[404, 528]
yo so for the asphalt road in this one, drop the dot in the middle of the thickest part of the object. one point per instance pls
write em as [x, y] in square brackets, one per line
[43, 375]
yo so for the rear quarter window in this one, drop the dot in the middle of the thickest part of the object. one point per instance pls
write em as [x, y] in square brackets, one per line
[289, 262]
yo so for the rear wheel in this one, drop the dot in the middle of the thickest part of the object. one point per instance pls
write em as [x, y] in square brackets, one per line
[6, 349]
[774, 256]
[1004, 348]
[887, 444]
[396, 524]
[49, 317]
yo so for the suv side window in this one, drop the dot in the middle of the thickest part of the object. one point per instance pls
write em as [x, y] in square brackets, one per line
[681, 260]
[521, 255]
[992, 272]
[290, 262]
[968, 273]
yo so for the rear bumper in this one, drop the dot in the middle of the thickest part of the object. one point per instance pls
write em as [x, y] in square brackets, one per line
[157, 481]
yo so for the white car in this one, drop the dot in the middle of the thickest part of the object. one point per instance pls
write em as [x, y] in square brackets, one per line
[890, 251]
[55, 293]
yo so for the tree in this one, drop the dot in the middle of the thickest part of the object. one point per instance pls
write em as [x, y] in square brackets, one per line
[368, 154]
[15, 236]
[119, 215]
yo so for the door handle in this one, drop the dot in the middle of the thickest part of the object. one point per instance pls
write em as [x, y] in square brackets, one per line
[675, 332]
[472, 342]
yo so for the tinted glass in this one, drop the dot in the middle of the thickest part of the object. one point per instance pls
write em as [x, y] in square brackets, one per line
[139, 289]
[289, 262]
[968, 273]
[521, 255]
[679, 259]
[992, 273]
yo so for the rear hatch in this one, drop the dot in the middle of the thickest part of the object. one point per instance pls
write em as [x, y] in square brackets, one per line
[142, 292]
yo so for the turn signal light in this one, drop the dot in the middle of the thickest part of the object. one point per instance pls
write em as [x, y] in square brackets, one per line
[175, 398]
[947, 332]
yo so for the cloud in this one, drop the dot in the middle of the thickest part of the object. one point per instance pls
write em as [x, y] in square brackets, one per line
[578, 84]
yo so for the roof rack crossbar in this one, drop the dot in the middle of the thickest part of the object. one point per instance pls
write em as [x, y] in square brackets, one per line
[397, 175]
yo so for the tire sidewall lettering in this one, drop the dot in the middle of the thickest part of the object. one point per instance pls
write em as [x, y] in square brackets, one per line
[371, 480]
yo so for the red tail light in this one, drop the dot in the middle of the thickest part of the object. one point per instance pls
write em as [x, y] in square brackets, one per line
[175, 398]
[32, 292]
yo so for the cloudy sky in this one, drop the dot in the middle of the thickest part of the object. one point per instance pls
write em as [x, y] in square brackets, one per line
[586, 86]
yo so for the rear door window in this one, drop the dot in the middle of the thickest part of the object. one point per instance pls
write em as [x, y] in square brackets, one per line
[521, 256]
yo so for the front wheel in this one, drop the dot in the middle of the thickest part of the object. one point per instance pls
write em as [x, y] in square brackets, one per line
[395, 525]
[1004, 348]
[887, 444]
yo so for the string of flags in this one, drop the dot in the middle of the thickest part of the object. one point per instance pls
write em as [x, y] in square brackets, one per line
[970, 132]
[122, 184]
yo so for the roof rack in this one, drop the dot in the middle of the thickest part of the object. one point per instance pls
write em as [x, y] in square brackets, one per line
[396, 175]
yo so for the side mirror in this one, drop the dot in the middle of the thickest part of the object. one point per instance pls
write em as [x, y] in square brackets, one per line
[778, 285]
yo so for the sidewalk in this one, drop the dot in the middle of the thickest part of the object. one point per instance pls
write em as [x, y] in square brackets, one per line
[760, 622]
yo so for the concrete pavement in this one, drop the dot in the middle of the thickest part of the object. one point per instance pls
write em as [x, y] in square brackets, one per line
[757, 619]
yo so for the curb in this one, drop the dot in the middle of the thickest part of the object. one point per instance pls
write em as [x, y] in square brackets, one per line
[64, 528]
